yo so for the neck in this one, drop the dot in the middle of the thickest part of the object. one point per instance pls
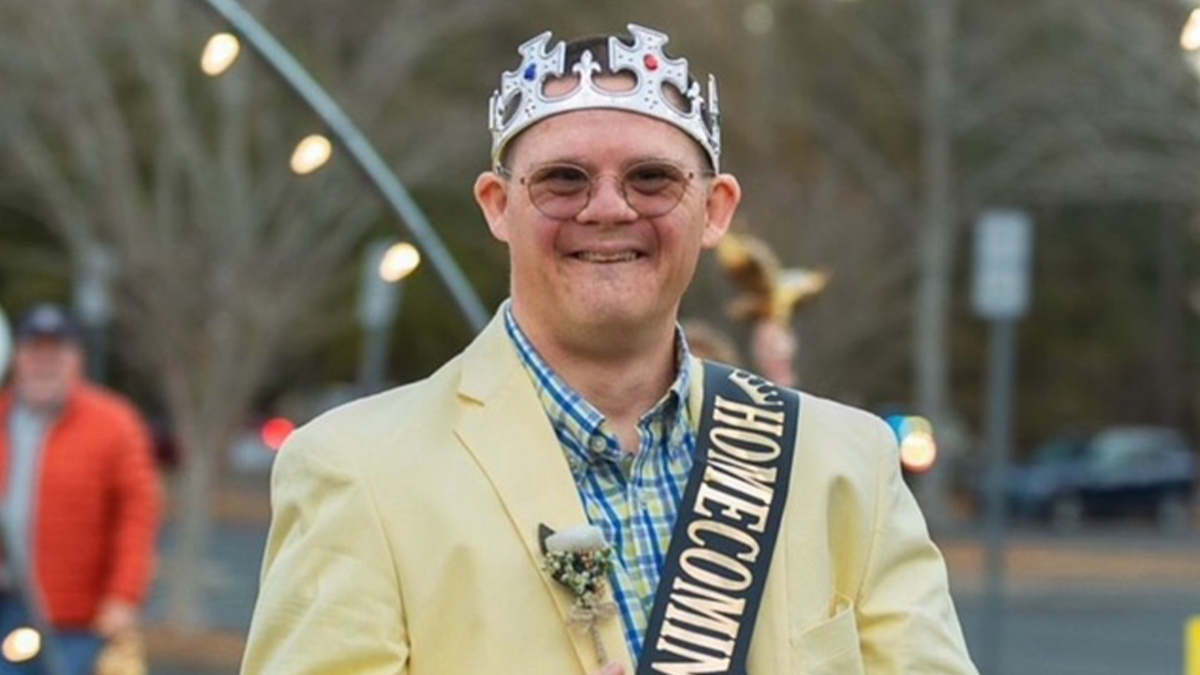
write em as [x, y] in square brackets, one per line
[41, 406]
[623, 374]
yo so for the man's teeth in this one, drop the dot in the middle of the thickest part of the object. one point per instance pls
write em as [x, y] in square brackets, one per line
[592, 256]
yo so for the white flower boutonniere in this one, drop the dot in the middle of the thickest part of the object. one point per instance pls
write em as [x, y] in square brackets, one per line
[580, 559]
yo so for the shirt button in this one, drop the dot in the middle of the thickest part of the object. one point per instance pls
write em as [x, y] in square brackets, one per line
[598, 444]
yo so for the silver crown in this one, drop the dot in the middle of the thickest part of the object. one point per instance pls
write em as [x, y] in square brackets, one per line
[521, 100]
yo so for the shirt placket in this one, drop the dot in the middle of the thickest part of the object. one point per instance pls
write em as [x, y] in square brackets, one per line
[615, 482]
[642, 479]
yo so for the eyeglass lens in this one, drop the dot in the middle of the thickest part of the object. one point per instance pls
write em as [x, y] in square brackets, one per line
[563, 190]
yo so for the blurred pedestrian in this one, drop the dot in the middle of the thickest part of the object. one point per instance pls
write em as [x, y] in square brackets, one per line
[81, 498]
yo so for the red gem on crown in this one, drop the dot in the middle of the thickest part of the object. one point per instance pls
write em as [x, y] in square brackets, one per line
[651, 61]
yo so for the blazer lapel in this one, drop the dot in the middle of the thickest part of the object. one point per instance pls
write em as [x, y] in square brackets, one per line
[505, 428]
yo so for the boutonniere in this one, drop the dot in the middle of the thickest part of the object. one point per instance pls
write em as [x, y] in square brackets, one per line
[580, 559]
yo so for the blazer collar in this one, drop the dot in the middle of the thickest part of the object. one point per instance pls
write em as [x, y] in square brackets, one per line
[505, 428]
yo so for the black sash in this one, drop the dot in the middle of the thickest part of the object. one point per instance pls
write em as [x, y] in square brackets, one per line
[716, 568]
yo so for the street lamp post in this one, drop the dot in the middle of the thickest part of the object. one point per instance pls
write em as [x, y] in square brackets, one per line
[363, 153]
[93, 305]
[385, 266]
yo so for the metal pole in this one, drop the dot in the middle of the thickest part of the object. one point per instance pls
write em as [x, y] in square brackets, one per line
[933, 297]
[361, 151]
[96, 349]
[372, 373]
[1001, 371]
[1172, 309]
[93, 306]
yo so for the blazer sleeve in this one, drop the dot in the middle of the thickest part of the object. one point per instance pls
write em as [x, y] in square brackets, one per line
[329, 598]
[907, 621]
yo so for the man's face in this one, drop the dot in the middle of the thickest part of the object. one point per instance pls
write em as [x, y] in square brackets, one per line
[608, 266]
[45, 369]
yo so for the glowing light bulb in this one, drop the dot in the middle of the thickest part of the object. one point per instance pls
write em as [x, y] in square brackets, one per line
[758, 18]
[1189, 39]
[918, 452]
[219, 54]
[311, 154]
[276, 431]
[22, 644]
[399, 262]
[918, 446]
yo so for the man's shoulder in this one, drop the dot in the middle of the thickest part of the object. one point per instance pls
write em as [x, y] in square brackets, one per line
[409, 411]
[844, 435]
[816, 410]
[97, 403]
[840, 437]
[826, 411]
[826, 415]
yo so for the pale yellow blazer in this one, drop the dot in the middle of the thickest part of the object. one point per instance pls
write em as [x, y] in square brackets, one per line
[404, 540]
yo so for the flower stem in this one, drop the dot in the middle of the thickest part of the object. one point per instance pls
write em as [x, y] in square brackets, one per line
[601, 652]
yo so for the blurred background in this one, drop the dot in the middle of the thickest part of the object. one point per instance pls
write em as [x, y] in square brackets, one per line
[226, 265]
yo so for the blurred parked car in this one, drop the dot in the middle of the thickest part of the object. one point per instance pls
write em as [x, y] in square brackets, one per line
[1131, 470]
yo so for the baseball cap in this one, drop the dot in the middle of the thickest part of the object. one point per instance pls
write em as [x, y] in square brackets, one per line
[47, 320]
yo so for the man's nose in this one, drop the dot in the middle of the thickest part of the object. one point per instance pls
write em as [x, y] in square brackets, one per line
[607, 203]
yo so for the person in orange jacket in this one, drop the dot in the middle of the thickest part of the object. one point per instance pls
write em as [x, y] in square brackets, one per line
[80, 494]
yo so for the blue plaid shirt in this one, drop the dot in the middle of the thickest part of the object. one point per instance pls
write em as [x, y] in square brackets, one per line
[632, 497]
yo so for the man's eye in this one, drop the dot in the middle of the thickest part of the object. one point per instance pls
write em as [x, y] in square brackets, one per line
[652, 178]
[561, 175]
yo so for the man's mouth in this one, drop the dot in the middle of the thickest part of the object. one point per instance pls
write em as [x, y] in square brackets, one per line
[616, 257]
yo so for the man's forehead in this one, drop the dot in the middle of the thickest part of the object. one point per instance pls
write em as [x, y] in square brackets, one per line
[601, 135]
[47, 342]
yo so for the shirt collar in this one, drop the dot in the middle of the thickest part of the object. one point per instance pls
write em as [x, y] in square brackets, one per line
[576, 418]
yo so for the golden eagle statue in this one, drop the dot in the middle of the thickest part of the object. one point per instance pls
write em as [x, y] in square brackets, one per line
[769, 296]
[767, 290]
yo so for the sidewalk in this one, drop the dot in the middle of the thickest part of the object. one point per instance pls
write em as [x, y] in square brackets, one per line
[241, 517]
[1120, 559]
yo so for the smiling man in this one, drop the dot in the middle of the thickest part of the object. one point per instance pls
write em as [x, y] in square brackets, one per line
[751, 528]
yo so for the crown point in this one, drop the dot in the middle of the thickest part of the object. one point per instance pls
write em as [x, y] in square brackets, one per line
[531, 72]
[651, 62]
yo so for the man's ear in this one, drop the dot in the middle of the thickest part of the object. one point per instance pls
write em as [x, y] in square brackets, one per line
[723, 200]
[491, 193]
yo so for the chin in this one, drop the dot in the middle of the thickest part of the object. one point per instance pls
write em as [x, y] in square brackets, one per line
[617, 313]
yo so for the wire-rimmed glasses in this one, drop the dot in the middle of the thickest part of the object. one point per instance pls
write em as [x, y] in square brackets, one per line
[562, 190]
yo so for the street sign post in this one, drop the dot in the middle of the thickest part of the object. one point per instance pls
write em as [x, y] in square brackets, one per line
[1003, 242]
